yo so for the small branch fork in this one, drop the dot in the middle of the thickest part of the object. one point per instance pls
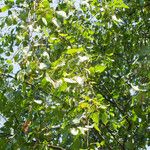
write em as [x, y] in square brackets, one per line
[9, 135]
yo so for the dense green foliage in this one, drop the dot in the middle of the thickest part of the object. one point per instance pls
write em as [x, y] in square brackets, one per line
[74, 75]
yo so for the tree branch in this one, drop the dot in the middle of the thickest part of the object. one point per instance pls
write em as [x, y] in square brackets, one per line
[113, 136]
[56, 147]
[114, 103]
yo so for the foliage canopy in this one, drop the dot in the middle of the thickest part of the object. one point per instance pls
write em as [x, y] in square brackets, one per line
[74, 75]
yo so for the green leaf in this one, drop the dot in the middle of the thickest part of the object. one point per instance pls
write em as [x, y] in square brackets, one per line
[104, 118]
[119, 4]
[69, 80]
[62, 86]
[95, 117]
[38, 101]
[10, 68]
[3, 9]
[74, 131]
[78, 66]
[97, 68]
[76, 120]
[62, 14]
[84, 105]
[11, 1]
[96, 127]
[44, 21]
[74, 50]
[1, 50]
[9, 61]
[48, 79]
[45, 31]
[56, 22]
[83, 130]
[21, 75]
[42, 66]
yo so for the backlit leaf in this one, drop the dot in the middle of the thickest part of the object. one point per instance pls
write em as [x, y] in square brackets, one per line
[104, 118]
[74, 51]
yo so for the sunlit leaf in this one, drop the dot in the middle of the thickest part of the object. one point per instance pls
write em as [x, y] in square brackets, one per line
[95, 117]
[74, 131]
[69, 80]
[74, 74]
[84, 105]
[3, 9]
[55, 22]
[76, 120]
[62, 13]
[42, 66]
[83, 130]
[79, 80]
[83, 58]
[44, 21]
[38, 101]
[97, 68]
[74, 51]
[104, 118]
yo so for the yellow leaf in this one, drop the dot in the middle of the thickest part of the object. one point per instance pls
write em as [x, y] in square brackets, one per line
[84, 105]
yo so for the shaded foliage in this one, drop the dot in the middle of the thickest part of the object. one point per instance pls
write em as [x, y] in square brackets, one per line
[74, 76]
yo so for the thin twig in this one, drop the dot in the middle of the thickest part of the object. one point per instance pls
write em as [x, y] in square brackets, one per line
[113, 136]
